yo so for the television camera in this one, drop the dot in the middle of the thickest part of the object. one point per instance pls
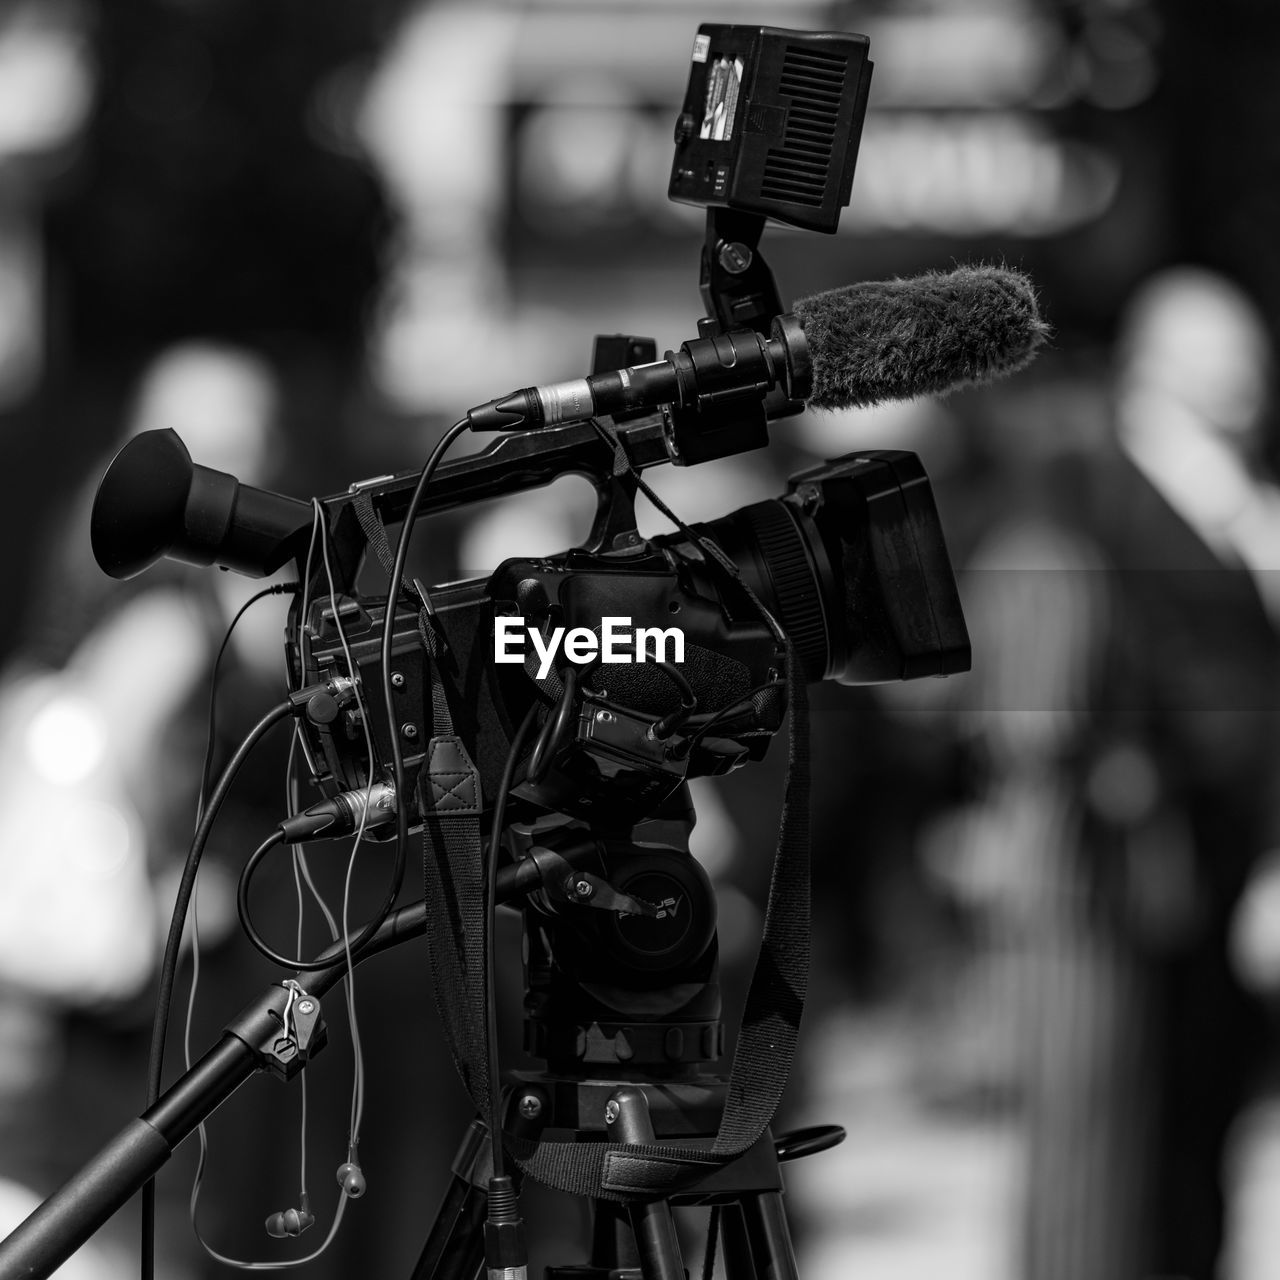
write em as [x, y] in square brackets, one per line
[565, 700]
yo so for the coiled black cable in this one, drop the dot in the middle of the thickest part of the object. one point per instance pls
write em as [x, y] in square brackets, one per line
[242, 908]
[259, 944]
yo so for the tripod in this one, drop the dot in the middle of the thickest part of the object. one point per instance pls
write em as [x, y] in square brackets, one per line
[623, 1006]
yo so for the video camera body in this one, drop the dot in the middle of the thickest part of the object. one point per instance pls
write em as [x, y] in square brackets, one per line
[850, 563]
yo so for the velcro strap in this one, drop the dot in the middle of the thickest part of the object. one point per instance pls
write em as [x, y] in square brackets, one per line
[635, 1172]
[609, 1171]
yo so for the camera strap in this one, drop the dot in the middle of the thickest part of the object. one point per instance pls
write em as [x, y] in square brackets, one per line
[775, 999]
[767, 1039]
[453, 863]
[449, 796]
[452, 866]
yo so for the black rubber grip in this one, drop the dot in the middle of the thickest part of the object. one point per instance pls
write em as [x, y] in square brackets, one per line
[72, 1214]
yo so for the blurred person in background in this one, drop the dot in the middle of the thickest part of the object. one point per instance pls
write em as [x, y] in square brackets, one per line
[1125, 695]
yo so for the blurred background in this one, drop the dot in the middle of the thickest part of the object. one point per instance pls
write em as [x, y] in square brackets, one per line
[306, 235]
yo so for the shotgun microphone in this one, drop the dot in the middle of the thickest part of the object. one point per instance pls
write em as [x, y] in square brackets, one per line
[925, 335]
[846, 348]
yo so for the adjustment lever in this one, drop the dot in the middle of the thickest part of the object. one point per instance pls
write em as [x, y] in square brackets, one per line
[590, 890]
[552, 872]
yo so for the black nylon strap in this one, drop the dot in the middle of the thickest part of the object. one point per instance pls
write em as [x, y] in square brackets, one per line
[375, 534]
[766, 1042]
[449, 796]
[453, 880]
[775, 999]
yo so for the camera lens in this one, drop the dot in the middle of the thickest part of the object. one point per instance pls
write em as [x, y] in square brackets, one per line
[767, 542]
[853, 565]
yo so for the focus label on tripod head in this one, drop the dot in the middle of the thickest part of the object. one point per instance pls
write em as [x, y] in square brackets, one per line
[684, 925]
[660, 934]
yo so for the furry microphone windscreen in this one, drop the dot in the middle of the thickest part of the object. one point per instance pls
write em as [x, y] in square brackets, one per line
[926, 335]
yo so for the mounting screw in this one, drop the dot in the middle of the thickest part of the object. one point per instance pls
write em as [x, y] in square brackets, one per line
[604, 717]
[306, 1006]
[397, 680]
[409, 730]
[531, 1106]
[735, 258]
[611, 1111]
[583, 889]
[286, 1050]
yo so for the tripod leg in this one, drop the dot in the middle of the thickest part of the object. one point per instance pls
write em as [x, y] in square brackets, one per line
[455, 1247]
[738, 1262]
[656, 1241]
[769, 1235]
[627, 1120]
[613, 1242]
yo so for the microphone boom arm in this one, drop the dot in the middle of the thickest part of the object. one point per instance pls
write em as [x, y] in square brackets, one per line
[253, 1041]
[250, 1043]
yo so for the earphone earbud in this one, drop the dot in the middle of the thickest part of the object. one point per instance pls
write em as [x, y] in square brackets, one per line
[291, 1222]
[351, 1180]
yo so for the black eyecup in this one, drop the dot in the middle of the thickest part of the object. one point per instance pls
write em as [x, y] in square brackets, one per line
[155, 502]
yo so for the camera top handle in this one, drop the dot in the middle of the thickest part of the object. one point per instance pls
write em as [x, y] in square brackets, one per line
[154, 502]
[512, 464]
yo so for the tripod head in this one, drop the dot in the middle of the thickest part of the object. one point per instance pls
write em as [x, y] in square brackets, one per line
[621, 961]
